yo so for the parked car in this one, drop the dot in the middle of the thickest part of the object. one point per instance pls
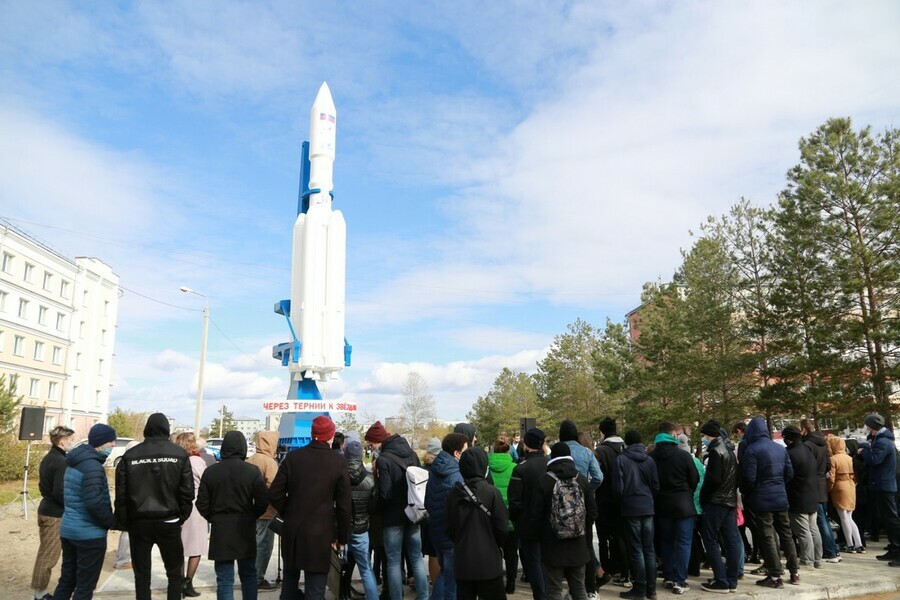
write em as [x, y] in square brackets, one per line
[118, 450]
[214, 446]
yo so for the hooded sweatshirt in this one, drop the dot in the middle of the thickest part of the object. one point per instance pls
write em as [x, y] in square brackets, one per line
[390, 479]
[636, 482]
[678, 478]
[606, 454]
[264, 460]
[477, 521]
[501, 468]
[154, 480]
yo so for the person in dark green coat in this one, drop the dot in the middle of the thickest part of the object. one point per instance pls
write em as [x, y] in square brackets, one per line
[501, 465]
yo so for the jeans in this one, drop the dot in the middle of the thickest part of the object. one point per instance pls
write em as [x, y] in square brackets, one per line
[444, 587]
[142, 536]
[553, 578]
[314, 585]
[721, 521]
[768, 523]
[80, 570]
[807, 533]
[639, 533]
[675, 547]
[531, 564]
[394, 540]
[828, 545]
[225, 578]
[265, 540]
[359, 549]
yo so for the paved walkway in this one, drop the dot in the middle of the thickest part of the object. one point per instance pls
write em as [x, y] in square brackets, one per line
[860, 575]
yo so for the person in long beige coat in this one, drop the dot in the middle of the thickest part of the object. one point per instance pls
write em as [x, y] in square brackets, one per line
[842, 489]
[266, 445]
[194, 531]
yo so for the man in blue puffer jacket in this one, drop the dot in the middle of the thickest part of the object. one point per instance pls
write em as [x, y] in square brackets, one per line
[765, 470]
[443, 476]
[881, 456]
[88, 515]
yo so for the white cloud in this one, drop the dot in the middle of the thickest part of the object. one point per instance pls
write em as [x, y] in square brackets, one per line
[170, 360]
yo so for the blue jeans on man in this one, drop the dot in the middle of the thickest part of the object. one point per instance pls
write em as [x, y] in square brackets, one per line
[225, 578]
[444, 587]
[829, 547]
[394, 540]
[265, 540]
[639, 535]
[359, 549]
[675, 536]
[721, 521]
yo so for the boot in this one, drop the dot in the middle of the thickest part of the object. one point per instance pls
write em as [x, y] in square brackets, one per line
[511, 584]
[187, 589]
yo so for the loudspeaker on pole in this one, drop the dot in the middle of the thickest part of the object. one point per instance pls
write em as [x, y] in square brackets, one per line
[526, 423]
[31, 426]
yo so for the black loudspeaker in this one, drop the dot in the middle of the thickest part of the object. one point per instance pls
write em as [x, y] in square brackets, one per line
[526, 423]
[32, 424]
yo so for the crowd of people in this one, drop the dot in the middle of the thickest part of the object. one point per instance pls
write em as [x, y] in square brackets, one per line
[579, 515]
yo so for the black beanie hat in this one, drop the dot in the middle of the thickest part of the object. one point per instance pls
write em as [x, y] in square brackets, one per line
[560, 449]
[792, 433]
[534, 438]
[874, 421]
[711, 428]
[632, 436]
[608, 426]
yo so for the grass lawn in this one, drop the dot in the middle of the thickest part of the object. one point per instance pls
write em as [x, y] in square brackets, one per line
[10, 489]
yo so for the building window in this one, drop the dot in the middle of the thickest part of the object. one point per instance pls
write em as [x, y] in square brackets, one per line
[8, 262]
[49, 424]
[13, 382]
[100, 367]
[2, 341]
[57, 355]
[84, 298]
[81, 329]
[53, 390]
[106, 308]
[97, 398]
[78, 361]
[19, 346]
[39, 351]
[48, 280]
[42, 315]
[64, 288]
[23, 308]
[75, 396]
[103, 337]
[3, 296]
[29, 272]
[34, 389]
[60, 321]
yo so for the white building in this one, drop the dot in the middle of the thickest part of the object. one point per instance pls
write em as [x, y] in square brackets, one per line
[57, 329]
[248, 426]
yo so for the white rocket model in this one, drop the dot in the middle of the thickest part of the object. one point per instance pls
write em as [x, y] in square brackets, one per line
[319, 257]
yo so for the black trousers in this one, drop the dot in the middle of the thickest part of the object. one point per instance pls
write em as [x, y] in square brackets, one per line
[611, 541]
[887, 514]
[142, 536]
[511, 556]
[488, 589]
[314, 585]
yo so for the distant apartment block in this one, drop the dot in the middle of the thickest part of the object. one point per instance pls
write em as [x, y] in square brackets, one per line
[57, 329]
[248, 426]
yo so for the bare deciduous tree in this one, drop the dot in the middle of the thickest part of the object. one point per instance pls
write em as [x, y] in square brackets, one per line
[418, 410]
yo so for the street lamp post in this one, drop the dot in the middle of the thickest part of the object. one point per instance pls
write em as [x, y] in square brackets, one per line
[188, 290]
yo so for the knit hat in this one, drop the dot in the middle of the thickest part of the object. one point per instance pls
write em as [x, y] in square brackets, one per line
[711, 428]
[684, 442]
[353, 436]
[632, 436]
[608, 426]
[874, 421]
[377, 433]
[568, 431]
[353, 450]
[322, 428]
[792, 433]
[100, 434]
[560, 449]
[534, 438]
[433, 447]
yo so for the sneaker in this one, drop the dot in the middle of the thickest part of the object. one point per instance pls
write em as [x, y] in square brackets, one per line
[716, 587]
[601, 581]
[47, 596]
[894, 563]
[832, 559]
[634, 594]
[121, 567]
[266, 585]
[758, 571]
[806, 563]
[592, 596]
[622, 581]
[817, 564]
[775, 584]
[795, 578]
[889, 556]
[668, 584]
[860, 549]
[680, 588]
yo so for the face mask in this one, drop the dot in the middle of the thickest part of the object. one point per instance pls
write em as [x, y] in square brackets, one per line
[105, 452]
[705, 441]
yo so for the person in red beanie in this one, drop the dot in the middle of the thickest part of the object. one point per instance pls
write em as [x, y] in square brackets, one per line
[393, 457]
[312, 493]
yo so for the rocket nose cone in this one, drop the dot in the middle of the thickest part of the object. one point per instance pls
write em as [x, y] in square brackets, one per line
[323, 98]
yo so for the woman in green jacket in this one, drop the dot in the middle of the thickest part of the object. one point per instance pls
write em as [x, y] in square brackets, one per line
[501, 466]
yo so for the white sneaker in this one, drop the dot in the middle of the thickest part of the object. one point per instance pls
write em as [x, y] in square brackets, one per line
[593, 596]
[680, 588]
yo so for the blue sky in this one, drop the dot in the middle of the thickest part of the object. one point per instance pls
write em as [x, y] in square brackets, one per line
[504, 167]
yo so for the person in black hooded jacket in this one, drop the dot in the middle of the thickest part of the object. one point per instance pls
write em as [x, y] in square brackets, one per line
[803, 497]
[154, 496]
[815, 440]
[477, 522]
[231, 497]
[562, 558]
[362, 496]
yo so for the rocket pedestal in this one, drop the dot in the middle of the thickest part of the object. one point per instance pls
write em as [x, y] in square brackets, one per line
[315, 311]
